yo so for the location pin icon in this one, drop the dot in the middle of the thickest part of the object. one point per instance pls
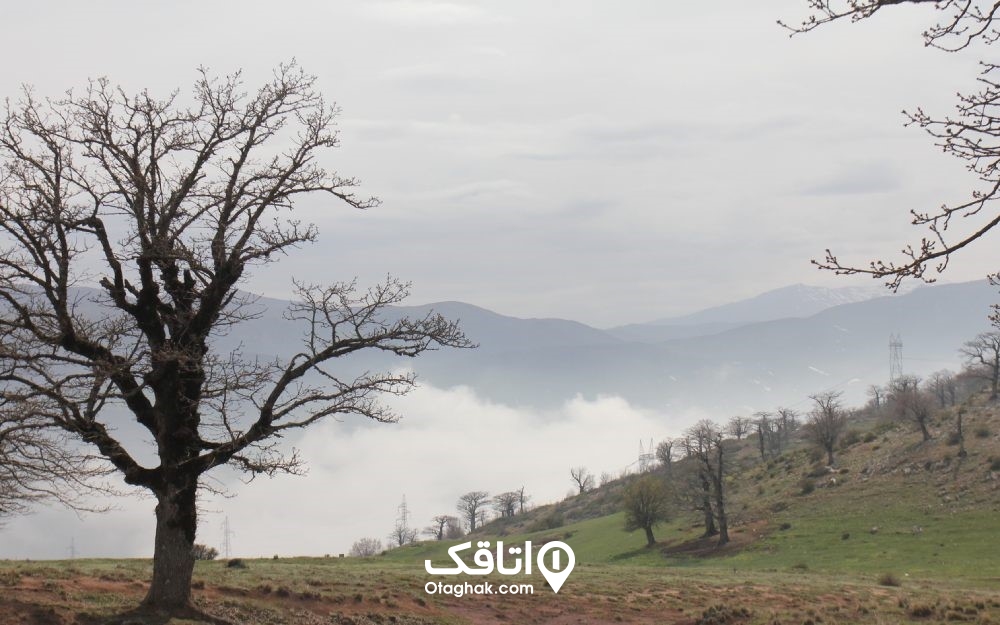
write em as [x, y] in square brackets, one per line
[560, 570]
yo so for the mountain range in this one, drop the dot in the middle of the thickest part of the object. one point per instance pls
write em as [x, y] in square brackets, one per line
[774, 349]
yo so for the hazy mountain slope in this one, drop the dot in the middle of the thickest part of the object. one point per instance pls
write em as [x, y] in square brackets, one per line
[797, 300]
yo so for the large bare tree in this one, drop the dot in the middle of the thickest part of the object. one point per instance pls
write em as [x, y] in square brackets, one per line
[166, 205]
[968, 135]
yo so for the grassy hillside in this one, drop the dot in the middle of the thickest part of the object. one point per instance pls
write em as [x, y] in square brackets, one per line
[892, 504]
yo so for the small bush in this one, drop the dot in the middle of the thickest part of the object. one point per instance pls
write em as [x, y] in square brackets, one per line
[204, 552]
[807, 486]
[852, 437]
[785, 526]
[845, 536]
[236, 563]
[888, 579]
[995, 465]
[983, 433]
[869, 437]
[953, 439]
[920, 610]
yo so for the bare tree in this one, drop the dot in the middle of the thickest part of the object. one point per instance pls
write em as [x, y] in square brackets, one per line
[646, 503]
[366, 548]
[877, 395]
[912, 404]
[764, 427]
[941, 384]
[709, 453]
[402, 534]
[583, 479]
[470, 506]
[438, 529]
[786, 422]
[505, 504]
[826, 422]
[982, 357]
[665, 453]
[969, 136]
[38, 463]
[738, 427]
[522, 500]
[168, 206]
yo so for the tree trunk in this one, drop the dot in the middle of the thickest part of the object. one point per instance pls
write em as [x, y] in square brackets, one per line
[829, 455]
[173, 559]
[720, 497]
[650, 541]
[710, 529]
[924, 431]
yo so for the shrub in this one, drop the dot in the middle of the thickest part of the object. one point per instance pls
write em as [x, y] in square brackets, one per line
[983, 433]
[845, 536]
[852, 437]
[954, 439]
[366, 547]
[870, 437]
[236, 563]
[204, 552]
[785, 526]
[807, 486]
[888, 579]
[995, 465]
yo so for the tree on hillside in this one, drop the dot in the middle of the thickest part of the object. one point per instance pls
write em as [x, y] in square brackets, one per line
[764, 427]
[969, 136]
[911, 403]
[583, 479]
[877, 395]
[708, 452]
[402, 534]
[826, 423]
[438, 529]
[738, 427]
[470, 506]
[505, 504]
[665, 453]
[982, 358]
[942, 385]
[787, 420]
[168, 206]
[646, 502]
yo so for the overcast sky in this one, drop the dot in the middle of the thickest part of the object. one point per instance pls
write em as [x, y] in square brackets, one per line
[605, 162]
[608, 162]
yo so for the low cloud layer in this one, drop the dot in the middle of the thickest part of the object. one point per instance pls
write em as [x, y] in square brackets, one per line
[448, 443]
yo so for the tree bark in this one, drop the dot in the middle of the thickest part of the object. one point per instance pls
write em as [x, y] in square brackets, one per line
[173, 559]
[650, 541]
[710, 529]
[720, 496]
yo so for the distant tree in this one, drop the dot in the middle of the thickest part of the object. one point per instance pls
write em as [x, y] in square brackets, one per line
[402, 534]
[764, 427]
[583, 479]
[646, 503]
[366, 548]
[438, 529]
[877, 395]
[709, 452]
[787, 420]
[827, 422]
[204, 552]
[505, 504]
[738, 427]
[942, 385]
[960, 432]
[470, 506]
[606, 478]
[664, 453]
[982, 357]
[522, 500]
[911, 403]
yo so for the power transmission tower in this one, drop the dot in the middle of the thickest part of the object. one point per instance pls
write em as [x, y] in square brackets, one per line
[895, 358]
[646, 457]
[72, 548]
[227, 534]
